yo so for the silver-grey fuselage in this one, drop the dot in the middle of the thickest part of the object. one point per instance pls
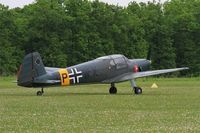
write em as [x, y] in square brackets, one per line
[99, 70]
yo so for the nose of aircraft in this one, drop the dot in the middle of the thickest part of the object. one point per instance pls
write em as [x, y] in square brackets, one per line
[149, 61]
[142, 64]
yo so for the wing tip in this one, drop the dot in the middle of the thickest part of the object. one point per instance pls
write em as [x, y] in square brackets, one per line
[186, 68]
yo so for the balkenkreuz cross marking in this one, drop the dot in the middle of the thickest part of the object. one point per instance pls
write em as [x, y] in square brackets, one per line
[75, 75]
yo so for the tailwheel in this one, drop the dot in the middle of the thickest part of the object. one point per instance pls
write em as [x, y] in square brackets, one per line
[113, 90]
[138, 90]
[40, 93]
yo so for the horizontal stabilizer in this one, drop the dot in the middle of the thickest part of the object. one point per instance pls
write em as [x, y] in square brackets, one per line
[47, 81]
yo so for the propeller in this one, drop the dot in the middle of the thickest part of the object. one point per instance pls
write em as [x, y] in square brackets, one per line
[149, 53]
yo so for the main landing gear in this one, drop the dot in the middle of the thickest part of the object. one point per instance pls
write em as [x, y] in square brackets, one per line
[113, 89]
[40, 93]
[136, 89]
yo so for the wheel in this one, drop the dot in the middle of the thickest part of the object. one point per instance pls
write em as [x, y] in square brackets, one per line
[138, 90]
[113, 90]
[39, 93]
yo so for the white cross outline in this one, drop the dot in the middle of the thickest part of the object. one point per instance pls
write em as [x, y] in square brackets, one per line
[74, 78]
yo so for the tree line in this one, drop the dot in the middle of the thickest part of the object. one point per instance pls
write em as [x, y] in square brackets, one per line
[67, 32]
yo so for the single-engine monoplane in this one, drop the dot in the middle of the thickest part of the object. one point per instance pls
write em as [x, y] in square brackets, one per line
[109, 69]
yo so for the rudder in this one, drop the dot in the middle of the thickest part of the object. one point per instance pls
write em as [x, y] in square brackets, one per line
[31, 68]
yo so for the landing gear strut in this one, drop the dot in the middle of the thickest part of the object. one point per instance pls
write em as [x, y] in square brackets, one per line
[113, 89]
[40, 93]
[136, 89]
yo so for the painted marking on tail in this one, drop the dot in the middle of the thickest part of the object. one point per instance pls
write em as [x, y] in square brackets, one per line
[64, 77]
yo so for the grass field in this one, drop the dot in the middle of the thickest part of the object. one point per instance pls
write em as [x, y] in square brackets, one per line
[173, 107]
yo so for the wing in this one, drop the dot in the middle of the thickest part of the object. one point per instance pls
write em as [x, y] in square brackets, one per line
[130, 76]
[157, 72]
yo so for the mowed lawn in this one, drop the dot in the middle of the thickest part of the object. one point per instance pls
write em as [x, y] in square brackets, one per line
[173, 107]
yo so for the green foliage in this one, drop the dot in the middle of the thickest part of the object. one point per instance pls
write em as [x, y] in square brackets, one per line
[185, 24]
[8, 49]
[162, 51]
[67, 32]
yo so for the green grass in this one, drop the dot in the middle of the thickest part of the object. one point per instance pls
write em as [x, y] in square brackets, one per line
[173, 107]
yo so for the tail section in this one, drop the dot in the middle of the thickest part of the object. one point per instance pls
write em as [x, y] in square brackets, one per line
[31, 68]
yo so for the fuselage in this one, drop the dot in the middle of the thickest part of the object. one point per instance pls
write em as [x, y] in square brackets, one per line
[94, 71]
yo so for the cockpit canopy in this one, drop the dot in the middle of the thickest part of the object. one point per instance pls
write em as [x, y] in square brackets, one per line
[118, 60]
[111, 57]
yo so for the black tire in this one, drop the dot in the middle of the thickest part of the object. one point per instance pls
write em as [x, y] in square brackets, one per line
[138, 90]
[113, 90]
[39, 93]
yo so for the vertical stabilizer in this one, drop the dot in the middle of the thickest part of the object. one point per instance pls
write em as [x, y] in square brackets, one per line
[31, 68]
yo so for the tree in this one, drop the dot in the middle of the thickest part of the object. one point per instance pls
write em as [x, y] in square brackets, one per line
[8, 51]
[47, 32]
[183, 16]
[67, 32]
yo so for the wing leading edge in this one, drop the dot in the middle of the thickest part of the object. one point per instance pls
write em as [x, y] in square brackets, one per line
[130, 76]
[157, 72]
